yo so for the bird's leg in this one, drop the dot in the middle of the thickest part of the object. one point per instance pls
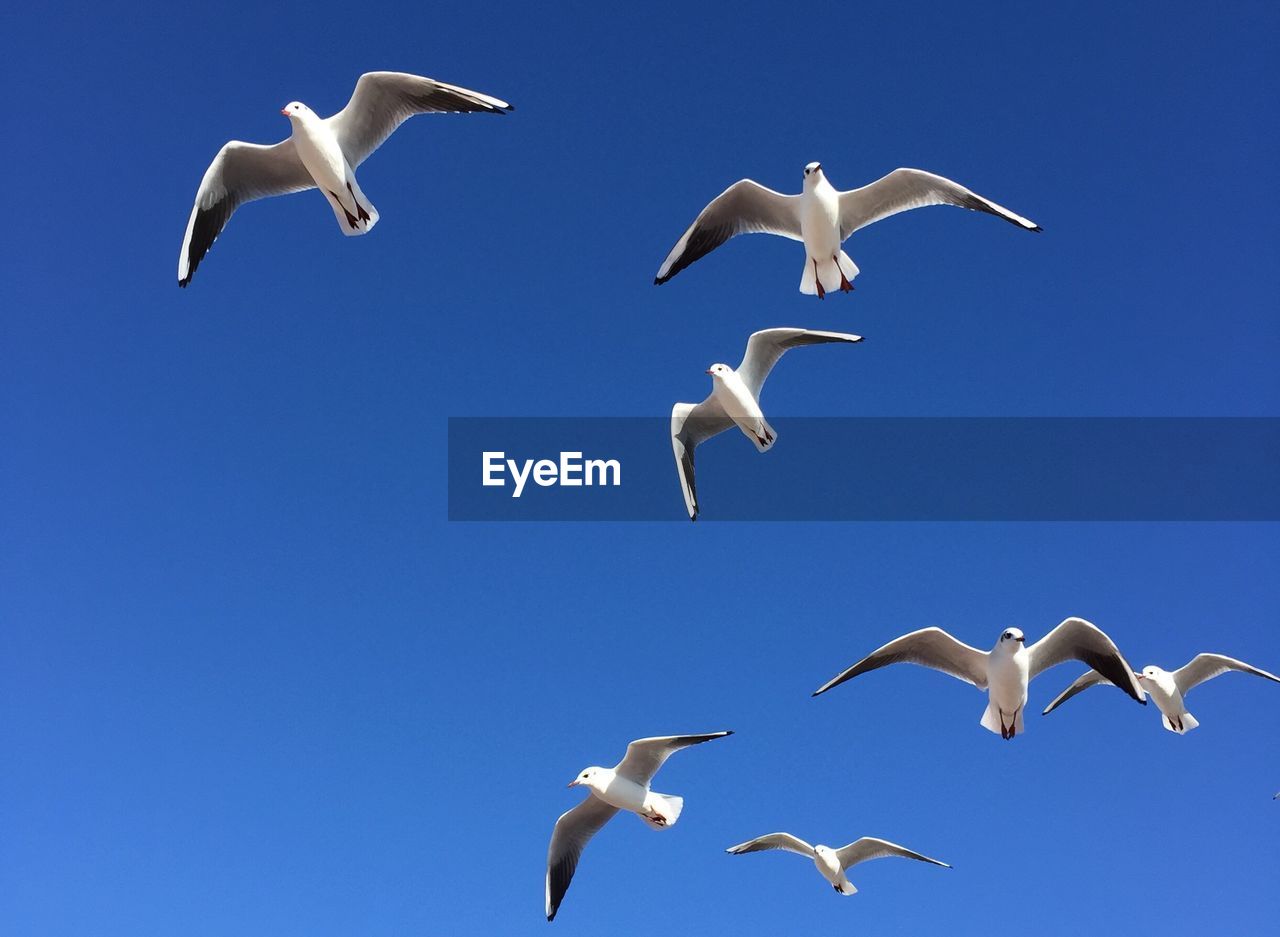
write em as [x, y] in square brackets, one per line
[364, 215]
[351, 219]
[817, 280]
[845, 285]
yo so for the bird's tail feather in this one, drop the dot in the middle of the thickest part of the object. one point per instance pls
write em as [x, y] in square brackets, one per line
[1188, 721]
[828, 273]
[669, 806]
[846, 888]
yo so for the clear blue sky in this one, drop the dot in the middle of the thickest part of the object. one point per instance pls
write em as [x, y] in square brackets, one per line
[253, 682]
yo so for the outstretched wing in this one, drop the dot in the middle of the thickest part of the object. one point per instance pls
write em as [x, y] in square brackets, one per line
[1204, 667]
[241, 172]
[1083, 682]
[773, 841]
[1077, 639]
[869, 848]
[691, 425]
[745, 207]
[645, 756]
[904, 189]
[573, 831]
[928, 647]
[383, 101]
[764, 348]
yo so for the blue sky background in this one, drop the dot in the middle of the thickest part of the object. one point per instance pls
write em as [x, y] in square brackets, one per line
[252, 682]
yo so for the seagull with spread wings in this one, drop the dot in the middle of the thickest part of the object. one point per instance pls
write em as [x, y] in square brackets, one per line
[822, 217]
[1168, 687]
[323, 153]
[1006, 670]
[832, 863]
[735, 400]
[625, 786]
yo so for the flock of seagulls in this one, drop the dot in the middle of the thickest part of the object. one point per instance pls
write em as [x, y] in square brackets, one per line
[324, 153]
[1005, 672]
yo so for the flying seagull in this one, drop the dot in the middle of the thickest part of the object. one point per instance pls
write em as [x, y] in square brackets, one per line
[323, 153]
[625, 786]
[820, 216]
[1006, 669]
[832, 863]
[1168, 688]
[735, 398]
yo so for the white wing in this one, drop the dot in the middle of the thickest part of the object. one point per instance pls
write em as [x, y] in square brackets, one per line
[929, 647]
[745, 207]
[1077, 639]
[383, 101]
[573, 830]
[692, 424]
[1082, 683]
[645, 756]
[766, 347]
[1204, 667]
[871, 848]
[241, 172]
[773, 841]
[904, 189]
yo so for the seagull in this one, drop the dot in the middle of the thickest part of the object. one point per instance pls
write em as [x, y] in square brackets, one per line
[323, 153]
[735, 398]
[625, 786]
[832, 863]
[1168, 688]
[820, 216]
[1007, 668]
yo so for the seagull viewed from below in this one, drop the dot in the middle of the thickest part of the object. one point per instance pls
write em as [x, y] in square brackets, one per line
[821, 217]
[322, 152]
[832, 863]
[735, 399]
[625, 786]
[1168, 687]
[1005, 670]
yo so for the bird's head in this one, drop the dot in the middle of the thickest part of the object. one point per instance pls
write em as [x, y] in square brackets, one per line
[585, 777]
[719, 371]
[1012, 639]
[296, 110]
[1148, 673]
[812, 173]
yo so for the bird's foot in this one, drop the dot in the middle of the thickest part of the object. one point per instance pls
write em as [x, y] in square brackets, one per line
[817, 280]
[845, 285]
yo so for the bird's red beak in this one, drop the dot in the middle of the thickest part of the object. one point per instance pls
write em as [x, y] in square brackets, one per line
[708, 370]
[284, 111]
[573, 783]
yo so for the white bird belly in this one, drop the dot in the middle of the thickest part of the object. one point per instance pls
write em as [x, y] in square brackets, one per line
[1007, 681]
[738, 403]
[820, 223]
[1167, 699]
[829, 866]
[323, 159]
[625, 795]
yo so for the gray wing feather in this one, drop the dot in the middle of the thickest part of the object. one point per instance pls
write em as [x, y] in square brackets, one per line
[745, 207]
[692, 424]
[241, 172]
[1082, 683]
[573, 831]
[928, 647]
[1204, 667]
[764, 348]
[773, 841]
[869, 847]
[904, 189]
[382, 101]
[645, 756]
[1077, 639]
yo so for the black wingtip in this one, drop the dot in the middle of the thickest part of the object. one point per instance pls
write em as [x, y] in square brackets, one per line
[1037, 230]
[658, 281]
[182, 284]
